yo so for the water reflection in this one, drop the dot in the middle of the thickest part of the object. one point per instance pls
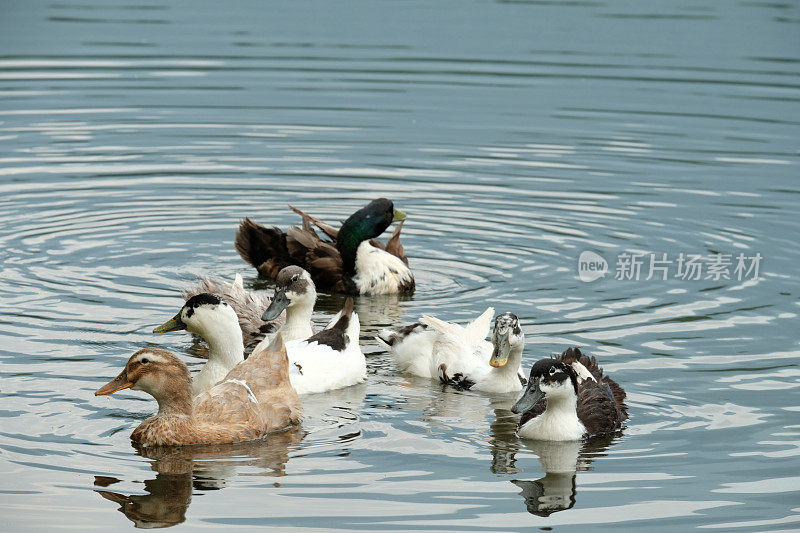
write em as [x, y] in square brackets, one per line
[560, 461]
[181, 470]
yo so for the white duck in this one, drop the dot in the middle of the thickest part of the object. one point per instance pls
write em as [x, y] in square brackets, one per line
[215, 320]
[329, 360]
[460, 355]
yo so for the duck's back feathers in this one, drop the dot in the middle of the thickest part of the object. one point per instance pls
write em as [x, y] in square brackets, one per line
[590, 362]
[264, 248]
[412, 347]
[248, 306]
[460, 353]
[597, 409]
[332, 358]
[256, 396]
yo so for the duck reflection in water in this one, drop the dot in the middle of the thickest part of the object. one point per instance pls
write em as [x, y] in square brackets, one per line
[182, 470]
[560, 461]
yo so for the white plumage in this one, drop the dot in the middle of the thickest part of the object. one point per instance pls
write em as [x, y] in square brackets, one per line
[379, 272]
[315, 367]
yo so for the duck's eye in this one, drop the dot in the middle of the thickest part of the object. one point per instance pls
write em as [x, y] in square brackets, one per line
[553, 370]
[144, 360]
[295, 277]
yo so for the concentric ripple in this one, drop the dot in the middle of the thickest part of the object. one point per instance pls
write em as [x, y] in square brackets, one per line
[516, 135]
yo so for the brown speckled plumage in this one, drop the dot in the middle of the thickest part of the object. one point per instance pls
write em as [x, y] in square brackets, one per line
[226, 413]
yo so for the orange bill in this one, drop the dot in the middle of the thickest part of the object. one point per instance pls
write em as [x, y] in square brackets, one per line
[120, 382]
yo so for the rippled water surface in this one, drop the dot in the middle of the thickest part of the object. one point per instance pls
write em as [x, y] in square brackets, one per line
[516, 135]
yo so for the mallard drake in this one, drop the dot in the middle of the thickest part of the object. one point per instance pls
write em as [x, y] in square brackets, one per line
[254, 399]
[332, 358]
[248, 305]
[579, 400]
[294, 292]
[460, 355]
[217, 323]
[351, 261]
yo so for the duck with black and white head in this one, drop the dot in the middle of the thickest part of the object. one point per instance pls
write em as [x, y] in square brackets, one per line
[216, 322]
[578, 402]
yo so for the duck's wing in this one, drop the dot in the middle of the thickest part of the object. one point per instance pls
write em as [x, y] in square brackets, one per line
[330, 359]
[248, 305]
[393, 245]
[572, 354]
[597, 409]
[263, 247]
[411, 346]
[308, 220]
[457, 360]
[263, 380]
[320, 258]
[477, 330]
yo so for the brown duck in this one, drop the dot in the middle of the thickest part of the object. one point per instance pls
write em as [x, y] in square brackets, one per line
[254, 399]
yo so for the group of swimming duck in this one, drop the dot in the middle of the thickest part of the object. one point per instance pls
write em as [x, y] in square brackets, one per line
[265, 352]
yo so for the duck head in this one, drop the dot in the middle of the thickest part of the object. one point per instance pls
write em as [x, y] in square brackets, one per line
[507, 336]
[201, 314]
[293, 288]
[366, 223]
[550, 379]
[157, 372]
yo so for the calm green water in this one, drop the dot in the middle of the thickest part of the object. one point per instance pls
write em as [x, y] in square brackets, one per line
[516, 135]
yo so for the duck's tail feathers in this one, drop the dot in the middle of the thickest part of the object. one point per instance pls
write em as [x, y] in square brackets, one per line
[262, 247]
[384, 339]
[238, 282]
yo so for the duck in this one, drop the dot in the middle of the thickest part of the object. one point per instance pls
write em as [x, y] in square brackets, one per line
[459, 355]
[255, 398]
[213, 319]
[327, 360]
[579, 400]
[351, 260]
[249, 306]
[331, 359]
[295, 293]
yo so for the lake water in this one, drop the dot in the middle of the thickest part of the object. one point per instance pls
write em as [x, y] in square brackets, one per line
[516, 135]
